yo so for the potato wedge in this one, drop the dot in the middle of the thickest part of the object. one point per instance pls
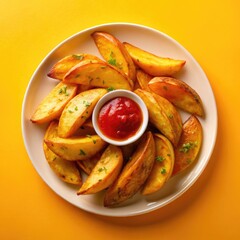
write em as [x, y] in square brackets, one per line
[163, 165]
[74, 148]
[134, 173]
[59, 69]
[152, 64]
[88, 164]
[173, 116]
[67, 171]
[157, 115]
[179, 93]
[53, 104]
[115, 53]
[105, 171]
[189, 144]
[143, 79]
[78, 110]
[98, 73]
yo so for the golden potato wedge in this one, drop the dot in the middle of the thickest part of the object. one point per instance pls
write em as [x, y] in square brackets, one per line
[152, 64]
[74, 148]
[67, 171]
[143, 79]
[53, 104]
[86, 129]
[88, 164]
[189, 144]
[78, 110]
[173, 116]
[105, 171]
[115, 53]
[134, 173]
[163, 165]
[157, 115]
[59, 69]
[179, 93]
[98, 73]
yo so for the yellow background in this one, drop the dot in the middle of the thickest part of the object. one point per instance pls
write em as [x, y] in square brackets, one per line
[210, 30]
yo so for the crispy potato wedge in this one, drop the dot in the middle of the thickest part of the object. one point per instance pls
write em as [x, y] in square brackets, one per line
[157, 115]
[143, 79]
[173, 116]
[98, 73]
[88, 164]
[67, 171]
[152, 64]
[78, 110]
[189, 144]
[59, 69]
[115, 53]
[179, 93]
[134, 173]
[74, 148]
[53, 104]
[105, 171]
[163, 165]
[86, 129]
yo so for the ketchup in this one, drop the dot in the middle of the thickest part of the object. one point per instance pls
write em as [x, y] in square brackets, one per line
[120, 118]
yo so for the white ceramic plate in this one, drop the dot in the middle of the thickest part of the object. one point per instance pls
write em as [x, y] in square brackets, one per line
[150, 40]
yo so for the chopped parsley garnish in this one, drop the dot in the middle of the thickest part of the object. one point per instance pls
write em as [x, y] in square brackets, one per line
[102, 169]
[79, 57]
[86, 103]
[163, 171]
[187, 146]
[82, 153]
[112, 60]
[110, 89]
[160, 158]
[63, 90]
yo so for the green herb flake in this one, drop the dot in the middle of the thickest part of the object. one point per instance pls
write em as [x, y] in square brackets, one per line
[170, 116]
[63, 90]
[110, 89]
[187, 146]
[82, 153]
[70, 111]
[160, 158]
[112, 60]
[102, 169]
[94, 141]
[163, 171]
[86, 103]
[76, 108]
[78, 57]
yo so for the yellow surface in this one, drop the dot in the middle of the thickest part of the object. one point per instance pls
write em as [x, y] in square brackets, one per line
[210, 30]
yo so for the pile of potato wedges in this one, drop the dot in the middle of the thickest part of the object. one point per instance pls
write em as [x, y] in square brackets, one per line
[72, 147]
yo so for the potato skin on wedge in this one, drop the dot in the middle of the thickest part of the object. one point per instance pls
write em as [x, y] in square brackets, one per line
[67, 171]
[73, 148]
[78, 110]
[158, 115]
[134, 173]
[179, 93]
[97, 73]
[189, 144]
[152, 64]
[59, 69]
[115, 53]
[143, 79]
[163, 165]
[105, 171]
[53, 104]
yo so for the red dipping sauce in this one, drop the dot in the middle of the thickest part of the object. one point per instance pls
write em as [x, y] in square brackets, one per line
[120, 118]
